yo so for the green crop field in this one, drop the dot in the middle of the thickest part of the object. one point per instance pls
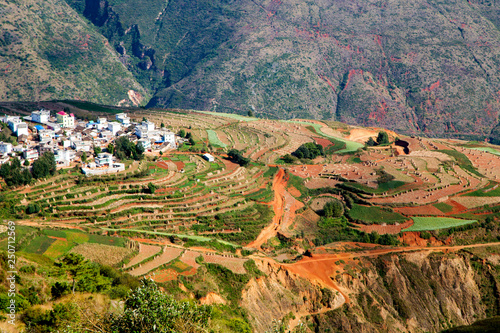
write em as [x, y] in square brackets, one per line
[375, 215]
[485, 193]
[487, 149]
[39, 245]
[214, 139]
[445, 208]
[435, 223]
[462, 160]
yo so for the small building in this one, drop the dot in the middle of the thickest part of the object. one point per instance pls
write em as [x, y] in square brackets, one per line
[123, 118]
[104, 159]
[39, 128]
[41, 116]
[65, 120]
[114, 127]
[94, 170]
[64, 157]
[17, 126]
[209, 157]
[30, 154]
[5, 147]
[146, 143]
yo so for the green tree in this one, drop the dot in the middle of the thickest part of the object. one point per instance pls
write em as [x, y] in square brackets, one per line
[147, 309]
[250, 113]
[382, 138]
[370, 142]
[333, 209]
[26, 163]
[288, 158]
[84, 157]
[111, 148]
[191, 141]
[44, 166]
[309, 150]
[97, 150]
[162, 125]
[182, 133]
[152, 188]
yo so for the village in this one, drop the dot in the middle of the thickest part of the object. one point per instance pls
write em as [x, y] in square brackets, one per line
[74, 141]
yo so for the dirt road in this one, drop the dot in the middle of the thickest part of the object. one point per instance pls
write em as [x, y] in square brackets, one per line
[278, 203]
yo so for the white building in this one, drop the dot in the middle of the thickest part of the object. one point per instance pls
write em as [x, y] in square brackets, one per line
[104, 159]
[209, 157]
[123, 118]
[93, 169]
[146, 143]
[30, 154]
[5, 147]
[168, 136]
[114, 127]
[46, 135]
[64, 157]
[41, 116]
[80, 146]
[17, 126]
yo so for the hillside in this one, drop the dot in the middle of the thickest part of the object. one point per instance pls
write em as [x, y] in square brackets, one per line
[297, 221]
[48, 51]
[420, 66]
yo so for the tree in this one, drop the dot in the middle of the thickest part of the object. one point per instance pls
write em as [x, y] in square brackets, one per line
[288, 158]
[333, 209]
[26, 163]
[382, 138]
[191, 141]
[84, 157]
[188, 135]
[162, 125]
[111, 148]
[309, 150]
[147, 309]
[250, 113]
[370, 142]
[44, 166]
[236, 156]
[152, 188]
[97, 150]
[182, 133]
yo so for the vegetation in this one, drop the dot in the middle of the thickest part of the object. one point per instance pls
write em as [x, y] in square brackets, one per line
[14, 174]
[309, 150]
[237, 157]
[372, 214]
[435, 223]
[125, 149]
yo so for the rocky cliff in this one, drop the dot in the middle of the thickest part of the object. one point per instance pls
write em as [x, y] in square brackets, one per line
[411, 292]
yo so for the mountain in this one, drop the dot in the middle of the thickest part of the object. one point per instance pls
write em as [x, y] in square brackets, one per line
[48, 51]
[417, 67]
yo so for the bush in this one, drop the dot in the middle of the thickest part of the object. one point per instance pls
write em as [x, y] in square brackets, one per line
[309, 150]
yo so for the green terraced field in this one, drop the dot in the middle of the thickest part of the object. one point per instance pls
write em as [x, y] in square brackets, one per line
[435, 223]
[214, 139]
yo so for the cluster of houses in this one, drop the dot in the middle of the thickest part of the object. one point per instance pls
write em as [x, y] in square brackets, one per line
[69, 138]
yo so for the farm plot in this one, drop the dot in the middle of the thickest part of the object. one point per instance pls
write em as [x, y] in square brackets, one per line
[169, 254]
[102, 254]
[314, 183]
[214, 139]
[233, 264]
[377, 215]
[435, 223]
[145, 251]
[473, 202]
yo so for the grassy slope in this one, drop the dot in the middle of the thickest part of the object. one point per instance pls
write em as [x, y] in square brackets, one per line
[50, 52]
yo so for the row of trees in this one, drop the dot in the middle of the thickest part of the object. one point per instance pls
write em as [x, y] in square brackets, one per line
[15, 175]
[309, 150]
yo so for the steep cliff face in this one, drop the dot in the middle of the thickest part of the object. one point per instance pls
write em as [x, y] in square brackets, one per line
[280, 293]
[416, 292]
[406, 292]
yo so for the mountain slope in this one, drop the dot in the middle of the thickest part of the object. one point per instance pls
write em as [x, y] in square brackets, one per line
[419, 66]
[49, 52]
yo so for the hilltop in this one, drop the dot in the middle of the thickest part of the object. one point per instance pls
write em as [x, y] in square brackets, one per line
[292, 220]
